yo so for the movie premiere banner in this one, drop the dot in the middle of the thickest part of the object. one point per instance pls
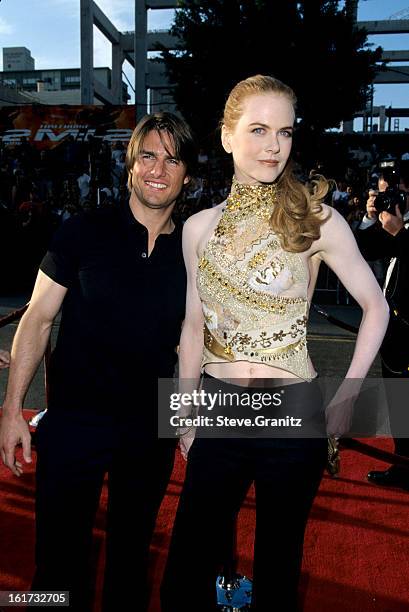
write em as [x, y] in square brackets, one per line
[48, 126]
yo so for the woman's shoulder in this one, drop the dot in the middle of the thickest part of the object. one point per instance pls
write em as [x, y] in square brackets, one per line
[204, 219]
[332, 218]
[334, 229]
[199, 228]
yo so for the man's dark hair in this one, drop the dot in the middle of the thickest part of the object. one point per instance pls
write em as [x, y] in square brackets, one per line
[179, 132]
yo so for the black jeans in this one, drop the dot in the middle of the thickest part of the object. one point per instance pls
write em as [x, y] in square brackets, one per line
[74, 452]
[286, 474]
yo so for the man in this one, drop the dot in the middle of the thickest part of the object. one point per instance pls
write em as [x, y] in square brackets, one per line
[387, 235]
[120, 278]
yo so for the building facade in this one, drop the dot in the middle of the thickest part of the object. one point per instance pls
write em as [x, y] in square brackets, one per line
[57, 86]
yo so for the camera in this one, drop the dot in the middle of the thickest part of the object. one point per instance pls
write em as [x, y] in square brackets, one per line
[392, 196]
[387, 201]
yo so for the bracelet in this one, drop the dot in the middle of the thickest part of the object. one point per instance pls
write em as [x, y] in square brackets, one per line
[179, 433]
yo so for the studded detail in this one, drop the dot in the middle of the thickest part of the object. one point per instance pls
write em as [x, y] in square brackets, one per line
[218, 284]
[256, 290]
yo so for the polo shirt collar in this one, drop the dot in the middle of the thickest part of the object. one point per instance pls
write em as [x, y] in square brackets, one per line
[131, 221]
[128, 217]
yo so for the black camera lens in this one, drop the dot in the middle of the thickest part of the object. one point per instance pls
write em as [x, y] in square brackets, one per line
[387, 201]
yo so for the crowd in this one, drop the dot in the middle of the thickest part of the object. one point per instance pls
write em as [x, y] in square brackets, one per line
[41, 188]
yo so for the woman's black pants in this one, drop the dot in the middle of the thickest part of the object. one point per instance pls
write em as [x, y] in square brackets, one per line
[286, 474]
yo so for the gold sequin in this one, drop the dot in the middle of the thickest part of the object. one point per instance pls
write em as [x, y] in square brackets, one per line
[265, 341]
[264, 354]
[258, 290]
[258, 259]
[218, 284]
[245, 202]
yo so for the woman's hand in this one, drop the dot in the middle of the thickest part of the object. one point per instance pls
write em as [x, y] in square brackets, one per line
[186, 442]
[340, 410]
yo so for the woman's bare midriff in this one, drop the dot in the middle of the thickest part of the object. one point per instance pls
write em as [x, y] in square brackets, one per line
[249, 374]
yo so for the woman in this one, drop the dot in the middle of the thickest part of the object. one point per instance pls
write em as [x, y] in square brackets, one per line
[252, 264]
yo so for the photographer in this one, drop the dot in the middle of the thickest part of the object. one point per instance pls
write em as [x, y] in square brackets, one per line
[384, 232]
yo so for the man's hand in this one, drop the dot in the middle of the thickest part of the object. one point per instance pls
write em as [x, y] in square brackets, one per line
[392, 223]
[13, 431]
[371, 212]
[4, 359]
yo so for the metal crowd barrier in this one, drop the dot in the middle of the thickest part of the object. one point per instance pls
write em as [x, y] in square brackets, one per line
[329, 284]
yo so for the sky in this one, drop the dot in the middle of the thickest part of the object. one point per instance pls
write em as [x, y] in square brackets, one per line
[51, 30]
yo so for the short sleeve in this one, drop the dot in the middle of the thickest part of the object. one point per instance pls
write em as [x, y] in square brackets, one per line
[61, 262]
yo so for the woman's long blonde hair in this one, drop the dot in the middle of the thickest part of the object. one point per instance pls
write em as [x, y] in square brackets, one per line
[298, 216]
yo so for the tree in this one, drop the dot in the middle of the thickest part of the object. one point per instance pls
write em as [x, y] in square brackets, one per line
[312, 45]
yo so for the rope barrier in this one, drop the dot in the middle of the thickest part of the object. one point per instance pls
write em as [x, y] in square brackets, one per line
[12, 316]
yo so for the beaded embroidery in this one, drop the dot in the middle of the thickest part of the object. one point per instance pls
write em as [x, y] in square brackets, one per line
[253, 292]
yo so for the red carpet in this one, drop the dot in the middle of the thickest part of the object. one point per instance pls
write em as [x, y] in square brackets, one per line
[356, 548]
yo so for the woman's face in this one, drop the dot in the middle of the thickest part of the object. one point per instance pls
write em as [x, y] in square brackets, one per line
[261, 139]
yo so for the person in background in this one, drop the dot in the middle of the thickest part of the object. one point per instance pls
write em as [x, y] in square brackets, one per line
[354, 212]
[340, 198]
[380, 235]
[83, 183]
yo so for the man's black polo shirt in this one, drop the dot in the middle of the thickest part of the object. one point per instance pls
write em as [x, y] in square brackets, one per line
[121, 316]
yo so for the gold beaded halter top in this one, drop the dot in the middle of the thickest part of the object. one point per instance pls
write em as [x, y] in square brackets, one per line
[253, 292]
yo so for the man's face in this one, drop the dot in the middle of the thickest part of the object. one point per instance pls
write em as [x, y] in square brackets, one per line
[157, 176]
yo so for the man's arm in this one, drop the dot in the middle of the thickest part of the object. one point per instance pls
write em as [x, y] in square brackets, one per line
[27, 351]
[191, 340]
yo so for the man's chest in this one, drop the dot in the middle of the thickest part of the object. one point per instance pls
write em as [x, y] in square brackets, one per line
[121, 276]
